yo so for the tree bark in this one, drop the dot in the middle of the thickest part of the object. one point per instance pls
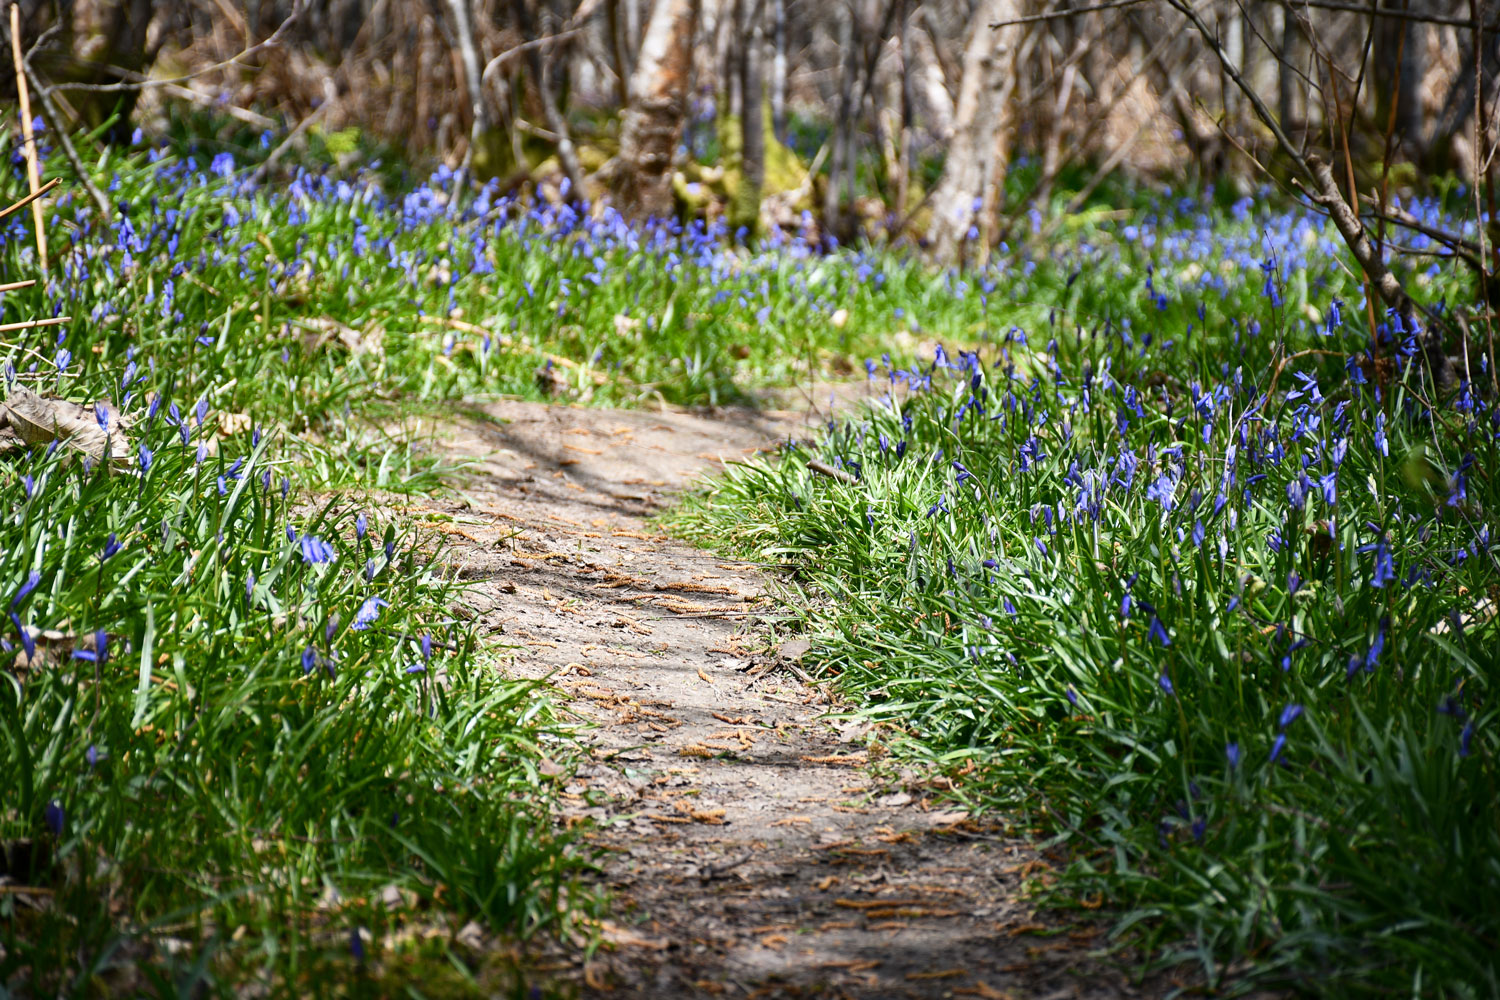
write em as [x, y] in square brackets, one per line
[541, 72]
[651, 124]
[745, 211]
[843, 128]
[778, 69]
[468, 51]
[974, 167]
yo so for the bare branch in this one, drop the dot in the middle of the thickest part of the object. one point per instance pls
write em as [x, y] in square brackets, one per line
[144, 83]
[1293, 5]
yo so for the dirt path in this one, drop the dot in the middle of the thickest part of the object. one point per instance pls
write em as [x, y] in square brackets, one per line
[751, 851]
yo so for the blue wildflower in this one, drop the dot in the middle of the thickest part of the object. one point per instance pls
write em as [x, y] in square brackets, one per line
[368, 612]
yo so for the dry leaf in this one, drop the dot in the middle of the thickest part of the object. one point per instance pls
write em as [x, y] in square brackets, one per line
[40, 420]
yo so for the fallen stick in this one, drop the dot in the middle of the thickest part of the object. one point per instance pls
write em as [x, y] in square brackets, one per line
[33, 174]
[28, 324]
[824, 469]
[30, 197]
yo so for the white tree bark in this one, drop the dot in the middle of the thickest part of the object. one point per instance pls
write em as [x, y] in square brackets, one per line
[975, 164]
[652, 123]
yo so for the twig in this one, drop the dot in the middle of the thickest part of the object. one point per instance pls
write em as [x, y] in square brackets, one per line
[144, 82]
[1353, 8]
[11, 286]
[28, 324]
[33, 172]
[264, 170]
[55, 122]
[822, 468]
[54, 182]
[499, 62]
[1056, 14]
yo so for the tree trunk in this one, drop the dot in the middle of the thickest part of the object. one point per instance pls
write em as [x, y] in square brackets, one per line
[652, 122]
[843, 128]
[974, 167]
[541, 72]
[93, 45]
[744, 213]
[1287, 82]
[483, 141]
[778, 69]
[618, 52]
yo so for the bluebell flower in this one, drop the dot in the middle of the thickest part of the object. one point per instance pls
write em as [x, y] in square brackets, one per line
[1072, 696]
[360, 526]
[315, 550]
[1289, 715]
[1166, 684]
[55, 817]
[1232, 753]
[1465, 740]
[99, 654]
[1159, 632]
[368, 612]
[1385, 568]
[309, 660]
[26, 588]
[1278, 746]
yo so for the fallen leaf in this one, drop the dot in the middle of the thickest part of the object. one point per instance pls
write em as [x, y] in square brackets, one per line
[941, 974]
[40, 420]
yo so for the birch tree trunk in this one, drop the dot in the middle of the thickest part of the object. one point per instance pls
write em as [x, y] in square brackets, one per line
[652, 123]
[975, 165]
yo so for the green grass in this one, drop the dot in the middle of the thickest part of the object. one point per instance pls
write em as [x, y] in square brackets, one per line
[1085, 569]
[242, 779]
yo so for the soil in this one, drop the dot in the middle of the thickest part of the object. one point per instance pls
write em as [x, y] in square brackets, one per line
[755, 843]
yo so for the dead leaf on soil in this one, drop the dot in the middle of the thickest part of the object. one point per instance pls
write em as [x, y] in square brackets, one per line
[941, 974]
[37, 421]
[623, 937]
[982, 990]
[848, 760]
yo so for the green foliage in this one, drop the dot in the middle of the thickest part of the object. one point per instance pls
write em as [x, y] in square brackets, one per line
[1170, 578]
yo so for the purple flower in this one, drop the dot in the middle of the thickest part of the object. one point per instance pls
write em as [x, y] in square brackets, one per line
[360, 526]
[1159, 632]
[55, 817]
[1166, 684]
[1232, 751]
[99, 654]
[309, 660]
[26, 588]
[111, 546]
[1465, 740]
[1278, 746]
[145, 458]
[315, 550]
[1072, 696]
[1289, 715]
[367, 613]
[1385, 568]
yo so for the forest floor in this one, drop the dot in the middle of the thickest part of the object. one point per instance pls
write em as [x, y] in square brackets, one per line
[754, 842]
